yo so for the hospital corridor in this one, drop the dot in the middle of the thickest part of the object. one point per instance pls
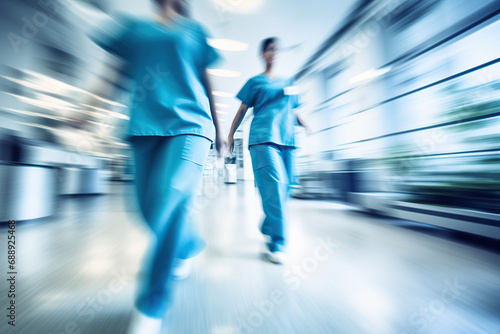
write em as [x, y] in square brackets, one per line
[250, 167]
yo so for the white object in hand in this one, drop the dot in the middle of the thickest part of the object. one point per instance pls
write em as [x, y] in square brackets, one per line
[182, 268]
[141, 324]
[292, 90]
[275, 257]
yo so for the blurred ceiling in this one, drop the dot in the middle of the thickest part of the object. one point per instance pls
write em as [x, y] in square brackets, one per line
[301, 26]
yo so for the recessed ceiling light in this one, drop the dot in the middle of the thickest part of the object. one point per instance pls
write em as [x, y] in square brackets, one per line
[221, 112]
[222, 94]
[227, 44]
[239, 6]
[223, 73]
[222, 105]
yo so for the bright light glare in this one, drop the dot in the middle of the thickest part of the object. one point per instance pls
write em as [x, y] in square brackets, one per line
[370, 74]
[227, 44]
[222, 94]
[238, 6]
[223, 73]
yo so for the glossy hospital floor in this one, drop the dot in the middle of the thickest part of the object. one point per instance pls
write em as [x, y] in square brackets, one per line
[347, 272]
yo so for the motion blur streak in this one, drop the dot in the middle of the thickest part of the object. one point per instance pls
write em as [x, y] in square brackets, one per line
[395, 216]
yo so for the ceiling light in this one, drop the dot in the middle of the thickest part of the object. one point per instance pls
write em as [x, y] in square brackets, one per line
[239, 6]
[227, 44]
[222, 94]
[223, 73]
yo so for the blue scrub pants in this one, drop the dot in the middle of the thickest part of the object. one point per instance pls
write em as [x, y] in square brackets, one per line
[168, 172]
[273, 171]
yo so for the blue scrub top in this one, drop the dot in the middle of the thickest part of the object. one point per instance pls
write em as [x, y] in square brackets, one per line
[274, 119]
[166, 65]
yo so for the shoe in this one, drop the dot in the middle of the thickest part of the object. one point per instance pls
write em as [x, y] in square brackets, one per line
[143, 324]
[275, 257]
[182, 269]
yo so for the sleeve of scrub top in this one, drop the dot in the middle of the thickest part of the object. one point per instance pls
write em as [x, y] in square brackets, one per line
[247, 94]
[112, 36]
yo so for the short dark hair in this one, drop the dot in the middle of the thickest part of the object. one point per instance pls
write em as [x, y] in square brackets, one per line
[182, 10]
[265, 43]
[159, 3]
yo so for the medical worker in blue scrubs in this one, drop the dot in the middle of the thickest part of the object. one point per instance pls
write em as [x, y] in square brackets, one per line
[271, 144]
[172, 126]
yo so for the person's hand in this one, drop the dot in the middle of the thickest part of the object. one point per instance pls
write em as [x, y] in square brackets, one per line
[230, 143]
[304, 125]
[308, 130]
[220, 144]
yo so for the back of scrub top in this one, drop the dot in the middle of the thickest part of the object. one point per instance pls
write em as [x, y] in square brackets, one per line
[274, 118]
[166, 65]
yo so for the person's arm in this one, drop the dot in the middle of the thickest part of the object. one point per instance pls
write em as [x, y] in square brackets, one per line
[113, 36]
[219, 140]
[236, 123]
[304, 125]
